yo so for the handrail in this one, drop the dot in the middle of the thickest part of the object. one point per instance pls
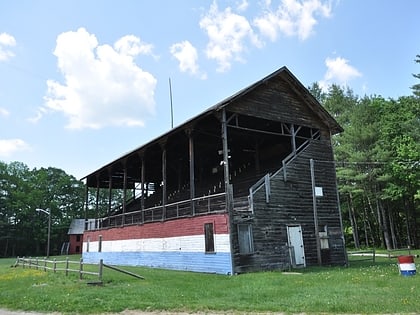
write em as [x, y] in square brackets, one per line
[171, 206]
[286, 161]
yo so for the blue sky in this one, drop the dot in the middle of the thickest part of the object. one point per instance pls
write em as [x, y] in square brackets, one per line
[83, 82]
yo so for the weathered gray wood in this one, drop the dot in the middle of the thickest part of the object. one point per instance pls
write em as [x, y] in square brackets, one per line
[123, 271]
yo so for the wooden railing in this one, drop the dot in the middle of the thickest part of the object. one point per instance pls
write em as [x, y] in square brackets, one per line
[362, 255]
[60, 265]
[214, 203]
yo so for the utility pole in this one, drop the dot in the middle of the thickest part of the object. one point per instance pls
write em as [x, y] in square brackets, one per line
[47, 212]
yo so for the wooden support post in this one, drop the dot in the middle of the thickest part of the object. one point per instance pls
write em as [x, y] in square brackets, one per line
[86, 202]
[143, 183]
[101, 268]
[109, 195]
[81, 269]
[293, 139]
[315, 210]
[124, 202]
[164, 192]
[97, 203]
[45, 263]
[228, 187]
[67, 266]
[192, 173]
[55, 265]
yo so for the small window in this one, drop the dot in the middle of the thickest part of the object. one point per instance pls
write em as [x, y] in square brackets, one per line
[78, 238]
[209, 237]
[246, 245]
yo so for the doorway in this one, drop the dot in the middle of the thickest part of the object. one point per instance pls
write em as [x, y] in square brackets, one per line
[296, 249]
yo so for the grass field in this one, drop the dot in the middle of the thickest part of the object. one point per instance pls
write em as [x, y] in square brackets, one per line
[364, 287]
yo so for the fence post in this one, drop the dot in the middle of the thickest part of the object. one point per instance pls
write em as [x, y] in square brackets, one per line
[55, 264]
[67, 266]
[373, 254]
[81, 269]
[45, 263]
[101, 267]
[36, 261]
[30, 262]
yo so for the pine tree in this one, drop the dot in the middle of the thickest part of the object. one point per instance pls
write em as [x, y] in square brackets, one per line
[416, 87]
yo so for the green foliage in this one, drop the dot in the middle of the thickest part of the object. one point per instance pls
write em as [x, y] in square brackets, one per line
[23, 230]
[378, 160]
[416, 87]
[353, 290]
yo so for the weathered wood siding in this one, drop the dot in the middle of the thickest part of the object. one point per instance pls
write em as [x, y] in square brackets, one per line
[291, 203]
[276, 101]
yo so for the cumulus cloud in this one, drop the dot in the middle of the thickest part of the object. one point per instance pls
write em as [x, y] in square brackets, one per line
[187, 56]
[242, 5]
[10, 146]
[291, 18]
[6, 42]
[103, 86]
[228, 34]
[338, 71]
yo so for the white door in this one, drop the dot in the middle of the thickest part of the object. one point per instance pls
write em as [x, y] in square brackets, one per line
[297, 251]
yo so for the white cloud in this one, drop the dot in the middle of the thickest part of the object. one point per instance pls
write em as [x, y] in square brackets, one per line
[6, 41]
[132, 46]
[243, 5]
[103, 84]
[291, 18]
[228, 33]
[187, 56]
[4, 112]
[10, 146]
[338, 71]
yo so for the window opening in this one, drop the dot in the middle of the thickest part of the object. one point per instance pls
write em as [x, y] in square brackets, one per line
[209, 237]
[246, 245]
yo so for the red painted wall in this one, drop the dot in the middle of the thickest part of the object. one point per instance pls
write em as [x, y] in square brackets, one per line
[172, 228]
[75, 246]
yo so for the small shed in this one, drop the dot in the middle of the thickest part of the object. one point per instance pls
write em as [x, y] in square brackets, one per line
[247, 185]
[75, 233]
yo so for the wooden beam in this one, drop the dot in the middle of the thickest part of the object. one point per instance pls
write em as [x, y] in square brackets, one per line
[192, 171]
[164, 192]
[124, 192]
[315, 211]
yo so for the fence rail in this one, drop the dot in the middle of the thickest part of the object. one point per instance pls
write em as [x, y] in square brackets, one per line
[393, 253]
[369, 254]
[61, 265]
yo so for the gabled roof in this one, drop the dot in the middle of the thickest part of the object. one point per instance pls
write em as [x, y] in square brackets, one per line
[282, 73]
[77, 226]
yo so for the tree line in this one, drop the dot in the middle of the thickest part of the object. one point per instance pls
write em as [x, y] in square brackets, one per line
[378, 171]
[23, 230]
[378, 165]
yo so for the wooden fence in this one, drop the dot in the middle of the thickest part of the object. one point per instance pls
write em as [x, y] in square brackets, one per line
[369, 254]
[61, 265]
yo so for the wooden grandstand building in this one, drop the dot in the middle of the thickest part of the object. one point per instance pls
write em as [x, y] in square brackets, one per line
[247, 185]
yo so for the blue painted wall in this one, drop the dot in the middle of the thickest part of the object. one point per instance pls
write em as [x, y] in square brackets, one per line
[189, 261]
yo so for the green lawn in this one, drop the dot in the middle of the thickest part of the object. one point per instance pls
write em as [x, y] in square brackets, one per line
[363, 287]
